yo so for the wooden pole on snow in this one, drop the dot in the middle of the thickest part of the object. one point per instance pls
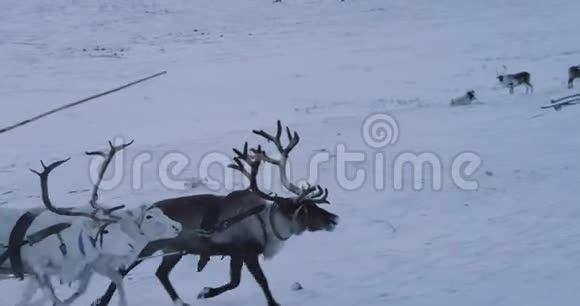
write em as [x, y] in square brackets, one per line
[58, 109]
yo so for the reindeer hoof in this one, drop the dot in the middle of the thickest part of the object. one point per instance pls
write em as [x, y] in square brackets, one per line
[97, 302]
[179, 302]
[204, 293]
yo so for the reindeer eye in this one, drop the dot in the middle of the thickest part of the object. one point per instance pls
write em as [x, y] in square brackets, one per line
[148, 217]
[105, 231]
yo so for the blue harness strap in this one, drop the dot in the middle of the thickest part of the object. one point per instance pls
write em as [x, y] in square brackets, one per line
[82, 244]
[93, 241]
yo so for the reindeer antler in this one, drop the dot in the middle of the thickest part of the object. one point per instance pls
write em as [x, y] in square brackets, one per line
[294, 138]
[319, 197]
[252, 176]
[108, 157]
[45, 196]
[239, 166]
[284, 151]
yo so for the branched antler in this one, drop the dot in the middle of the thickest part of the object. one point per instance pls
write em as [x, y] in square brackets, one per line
[294, 138]
[319, 197]
[108, 158]
[302, 193]
[238, 163]
[284, 151]
[252, 175]
[45, 196]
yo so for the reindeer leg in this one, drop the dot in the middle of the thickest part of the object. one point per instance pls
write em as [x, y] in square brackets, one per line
[84, 284]
[253, 265]
[46, 285]
[106, 297]
[28, 292]
[167, 264]
[236, 263]
[118, 280]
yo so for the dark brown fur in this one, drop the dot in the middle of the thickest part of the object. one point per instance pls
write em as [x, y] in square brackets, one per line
[573, 73]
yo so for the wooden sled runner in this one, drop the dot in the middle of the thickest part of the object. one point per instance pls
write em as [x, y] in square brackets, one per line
[559, 103]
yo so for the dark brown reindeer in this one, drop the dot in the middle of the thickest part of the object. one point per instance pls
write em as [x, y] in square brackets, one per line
[249, 235]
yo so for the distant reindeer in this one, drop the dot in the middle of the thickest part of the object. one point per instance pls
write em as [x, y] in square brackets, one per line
[74, 244]
[466, 99]
[262, 233]
[513, 80]
[573, 73]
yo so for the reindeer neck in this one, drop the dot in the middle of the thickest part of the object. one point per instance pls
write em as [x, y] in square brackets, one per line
[276, 228]
[131, 224]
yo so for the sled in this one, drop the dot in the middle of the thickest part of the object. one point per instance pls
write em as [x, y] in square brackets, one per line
[564, 101]
[12, 252]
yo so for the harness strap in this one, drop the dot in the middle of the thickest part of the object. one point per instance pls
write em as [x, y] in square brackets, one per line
[62, 246]
[81, 243]
[46, 232]
[273, 226]
[225, 224]
[98, 238]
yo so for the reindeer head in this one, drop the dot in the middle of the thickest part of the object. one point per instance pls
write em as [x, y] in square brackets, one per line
[302, 209]
[501, 77]
[150, 223]
[471, 95]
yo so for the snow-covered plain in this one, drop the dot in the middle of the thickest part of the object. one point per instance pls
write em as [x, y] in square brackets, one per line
[322, 67]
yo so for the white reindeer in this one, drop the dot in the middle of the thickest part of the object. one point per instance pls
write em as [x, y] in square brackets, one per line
[83, 243]
[131, 228]
[465, 99]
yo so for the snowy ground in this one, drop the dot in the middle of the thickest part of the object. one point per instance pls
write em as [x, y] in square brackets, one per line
[322, 67]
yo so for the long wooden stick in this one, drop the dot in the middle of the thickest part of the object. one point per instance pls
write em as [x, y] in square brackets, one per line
[19, 124]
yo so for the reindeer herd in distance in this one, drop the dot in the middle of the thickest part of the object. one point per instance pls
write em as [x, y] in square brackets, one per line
[71, 245]
[513, 80]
